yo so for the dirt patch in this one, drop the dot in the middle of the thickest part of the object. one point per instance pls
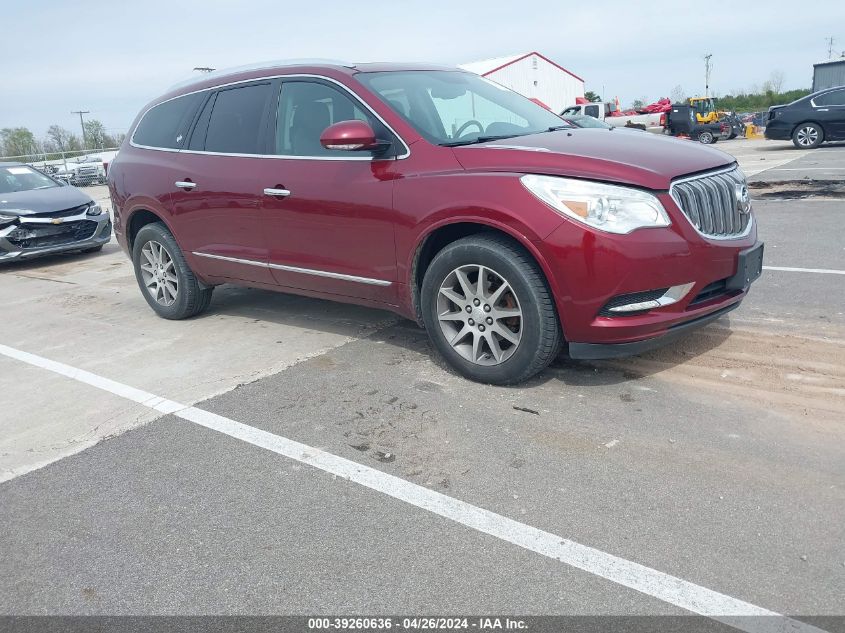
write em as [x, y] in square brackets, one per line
[794, 189]
[793, 374]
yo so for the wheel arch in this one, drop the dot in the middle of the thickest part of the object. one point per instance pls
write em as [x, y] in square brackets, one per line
[137, 219]
[805, 122]
[441, 234]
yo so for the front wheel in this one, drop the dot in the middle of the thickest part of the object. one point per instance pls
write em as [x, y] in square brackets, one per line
[807, 136]
[166, 281]
[488, 310]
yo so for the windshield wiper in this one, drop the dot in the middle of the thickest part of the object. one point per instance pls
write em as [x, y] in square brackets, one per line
[555, 128]
[480, 139]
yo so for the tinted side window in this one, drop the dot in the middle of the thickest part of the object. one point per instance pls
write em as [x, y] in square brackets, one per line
[307, 108]
[166, 125]
[235, 125]
[592, 110]
[837, 97]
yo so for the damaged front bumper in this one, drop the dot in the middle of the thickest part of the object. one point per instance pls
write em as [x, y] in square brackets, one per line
[33, 236]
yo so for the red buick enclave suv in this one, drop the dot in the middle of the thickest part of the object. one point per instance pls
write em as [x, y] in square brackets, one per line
[439, 195]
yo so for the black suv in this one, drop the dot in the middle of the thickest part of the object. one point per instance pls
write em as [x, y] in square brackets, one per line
[811, 120]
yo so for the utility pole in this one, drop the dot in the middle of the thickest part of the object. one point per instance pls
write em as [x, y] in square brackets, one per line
[829, 41]
[707, 74]
[82, 123]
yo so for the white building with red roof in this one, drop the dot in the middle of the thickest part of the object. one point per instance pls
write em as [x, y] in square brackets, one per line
[533, 75]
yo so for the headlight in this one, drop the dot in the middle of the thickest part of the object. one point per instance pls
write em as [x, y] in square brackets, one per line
[608, 208]
[94, 209]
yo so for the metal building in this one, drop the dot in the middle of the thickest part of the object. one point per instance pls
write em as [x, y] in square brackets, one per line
[533, 75]
[829, 74]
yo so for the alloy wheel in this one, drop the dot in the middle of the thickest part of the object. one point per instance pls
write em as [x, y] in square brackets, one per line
[479, 314]
[159, 273]
[807, 136]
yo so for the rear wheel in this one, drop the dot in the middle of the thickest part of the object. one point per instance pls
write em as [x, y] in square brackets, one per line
[706, 138]
[166, 281]
[488, 310]
[807, 136]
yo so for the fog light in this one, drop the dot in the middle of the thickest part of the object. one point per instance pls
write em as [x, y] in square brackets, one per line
[664, 298]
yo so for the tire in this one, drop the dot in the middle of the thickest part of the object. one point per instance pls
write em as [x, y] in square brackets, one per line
[808, 136]
[706, 138]
[536, 329]
[182, 300]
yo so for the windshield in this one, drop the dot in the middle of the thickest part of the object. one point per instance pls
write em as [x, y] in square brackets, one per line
[457, 108]
[23, 178]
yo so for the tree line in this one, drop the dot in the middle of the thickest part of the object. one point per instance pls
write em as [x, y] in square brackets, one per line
[755, 99]
[57, 141]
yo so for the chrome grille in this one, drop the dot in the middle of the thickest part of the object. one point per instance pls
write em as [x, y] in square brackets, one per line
[710, 203]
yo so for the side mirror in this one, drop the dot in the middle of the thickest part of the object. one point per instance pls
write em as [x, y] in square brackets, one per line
[351, 136]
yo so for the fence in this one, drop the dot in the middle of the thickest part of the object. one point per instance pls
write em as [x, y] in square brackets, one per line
[79, 167]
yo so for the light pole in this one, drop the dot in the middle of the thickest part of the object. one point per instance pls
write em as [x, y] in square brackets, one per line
[81, 122]
[707, 74]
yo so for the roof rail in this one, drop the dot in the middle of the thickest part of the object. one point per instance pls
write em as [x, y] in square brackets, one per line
[274, 63]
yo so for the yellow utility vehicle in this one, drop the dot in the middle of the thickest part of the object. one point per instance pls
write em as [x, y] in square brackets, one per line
[705, 109]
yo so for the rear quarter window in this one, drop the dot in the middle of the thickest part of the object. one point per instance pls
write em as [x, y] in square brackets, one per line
[166, 124]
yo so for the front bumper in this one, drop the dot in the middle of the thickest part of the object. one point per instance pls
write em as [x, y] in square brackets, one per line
[28, 238]
[595, 351]
[590, 269]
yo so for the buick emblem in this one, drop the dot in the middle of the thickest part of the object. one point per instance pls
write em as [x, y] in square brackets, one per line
[743, 199]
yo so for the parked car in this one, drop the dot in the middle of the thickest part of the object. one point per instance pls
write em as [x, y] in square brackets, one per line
[441, 196]
[82, 172]
[40, 215]
[811, 120]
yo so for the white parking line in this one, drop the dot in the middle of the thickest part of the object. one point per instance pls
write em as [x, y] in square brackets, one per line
[670, 589]
[821, 271]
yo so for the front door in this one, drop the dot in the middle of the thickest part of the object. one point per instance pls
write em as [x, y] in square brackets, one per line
[328, 214]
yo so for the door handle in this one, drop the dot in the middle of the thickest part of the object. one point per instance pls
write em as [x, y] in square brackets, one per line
[185, 184]
[283, 193]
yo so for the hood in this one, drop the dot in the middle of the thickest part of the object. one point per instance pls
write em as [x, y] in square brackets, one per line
[623, 156]
[42, 200]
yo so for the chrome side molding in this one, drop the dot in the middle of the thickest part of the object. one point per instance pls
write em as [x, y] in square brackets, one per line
[296, 269]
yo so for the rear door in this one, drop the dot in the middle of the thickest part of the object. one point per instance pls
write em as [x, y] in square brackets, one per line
[333, 232]
[830, 110]
[216, 197]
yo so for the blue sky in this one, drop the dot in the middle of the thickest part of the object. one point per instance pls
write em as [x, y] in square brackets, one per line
[112, 57]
